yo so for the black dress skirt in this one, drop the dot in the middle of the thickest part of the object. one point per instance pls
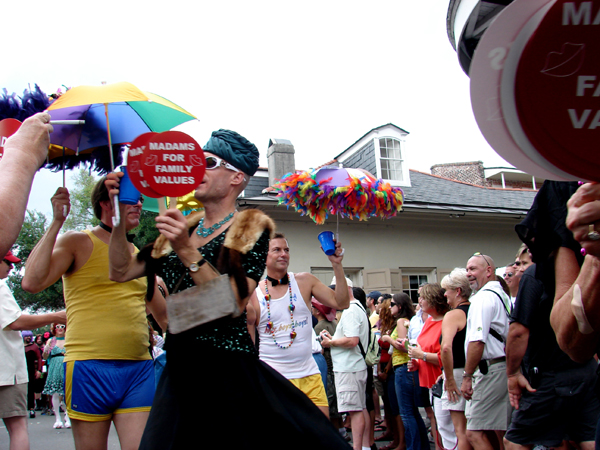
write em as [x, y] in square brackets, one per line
[214, 391]
[233, 400]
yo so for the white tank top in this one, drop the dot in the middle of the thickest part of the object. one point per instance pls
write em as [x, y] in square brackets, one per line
[295, 361]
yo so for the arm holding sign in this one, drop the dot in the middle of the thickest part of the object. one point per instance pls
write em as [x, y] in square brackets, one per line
[574, 316]
[24, 153]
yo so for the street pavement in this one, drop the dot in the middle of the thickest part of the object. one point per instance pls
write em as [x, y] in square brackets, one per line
[43, 437]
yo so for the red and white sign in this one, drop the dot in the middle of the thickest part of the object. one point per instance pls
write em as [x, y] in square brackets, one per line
[557, 88]
[8, 127]
[173, 164]
[486, 75]
[135, 164]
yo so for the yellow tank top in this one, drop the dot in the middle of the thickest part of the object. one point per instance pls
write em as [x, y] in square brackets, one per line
[398, 357]
[105, 319]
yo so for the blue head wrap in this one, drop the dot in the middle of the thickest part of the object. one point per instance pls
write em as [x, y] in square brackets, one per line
[26, 333]
[235, 149]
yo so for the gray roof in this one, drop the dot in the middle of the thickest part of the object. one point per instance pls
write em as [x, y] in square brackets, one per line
[256, 186]
[434, 192]
[428, 188]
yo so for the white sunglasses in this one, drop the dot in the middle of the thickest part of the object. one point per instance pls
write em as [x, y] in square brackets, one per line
[212, 162]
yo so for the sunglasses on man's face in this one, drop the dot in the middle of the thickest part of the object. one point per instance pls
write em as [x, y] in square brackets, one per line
[484, 258]
[8, 263]
[508, 275]
[212, 162]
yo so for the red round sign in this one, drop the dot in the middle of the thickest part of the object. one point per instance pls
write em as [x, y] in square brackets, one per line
[486, 77]
[8, 127]
[135, 164]
[174, 164]
[557, 86]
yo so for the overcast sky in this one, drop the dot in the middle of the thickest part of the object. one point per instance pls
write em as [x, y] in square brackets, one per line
[318, 73]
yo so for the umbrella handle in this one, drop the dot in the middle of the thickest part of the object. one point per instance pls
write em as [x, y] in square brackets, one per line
[116, 220]
[67, 122]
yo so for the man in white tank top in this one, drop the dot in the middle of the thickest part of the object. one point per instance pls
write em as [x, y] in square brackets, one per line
[283, 319]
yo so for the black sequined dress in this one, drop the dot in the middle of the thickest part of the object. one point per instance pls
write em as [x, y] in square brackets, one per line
[216, 393]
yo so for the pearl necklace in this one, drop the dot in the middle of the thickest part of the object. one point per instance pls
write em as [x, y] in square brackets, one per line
[205, 232]
[270, 326]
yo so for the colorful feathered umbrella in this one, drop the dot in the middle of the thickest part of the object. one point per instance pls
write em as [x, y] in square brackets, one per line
[352, 193]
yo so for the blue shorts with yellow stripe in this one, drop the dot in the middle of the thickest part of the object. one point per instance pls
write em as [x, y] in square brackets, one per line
[96, 389]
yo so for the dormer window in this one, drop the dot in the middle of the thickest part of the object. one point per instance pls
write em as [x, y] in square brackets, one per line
[390, 159]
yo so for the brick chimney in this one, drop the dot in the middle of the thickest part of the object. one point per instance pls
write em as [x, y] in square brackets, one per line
[280, 157]
[467, 172]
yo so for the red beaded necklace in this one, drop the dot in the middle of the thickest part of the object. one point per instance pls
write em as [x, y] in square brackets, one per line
[270, 326]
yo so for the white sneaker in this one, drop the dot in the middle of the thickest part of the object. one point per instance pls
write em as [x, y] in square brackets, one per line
[58, 424]
[67, 422]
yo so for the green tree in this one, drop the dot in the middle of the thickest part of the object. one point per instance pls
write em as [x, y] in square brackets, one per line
[51, 298]
[82, 213]
[146, 231]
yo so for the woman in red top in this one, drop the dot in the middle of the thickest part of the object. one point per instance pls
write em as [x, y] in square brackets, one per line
[426, 356]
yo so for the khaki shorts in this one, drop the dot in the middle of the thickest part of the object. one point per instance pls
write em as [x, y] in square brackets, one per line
[489, 408]
[312, 386]
[351, 390]
[13, 400]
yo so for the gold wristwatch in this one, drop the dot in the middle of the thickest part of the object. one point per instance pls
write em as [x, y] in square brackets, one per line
[195, 266]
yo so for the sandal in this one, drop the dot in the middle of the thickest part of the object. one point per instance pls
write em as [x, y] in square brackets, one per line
[384, 437]
[390, 446]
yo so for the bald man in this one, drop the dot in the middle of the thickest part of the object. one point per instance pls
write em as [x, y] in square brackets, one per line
[484, 378]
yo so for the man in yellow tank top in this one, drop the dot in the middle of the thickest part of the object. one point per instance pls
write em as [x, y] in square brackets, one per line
[109, 370]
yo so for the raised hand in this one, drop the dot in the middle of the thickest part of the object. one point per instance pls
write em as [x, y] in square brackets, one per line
[61, 204]
[583, 218]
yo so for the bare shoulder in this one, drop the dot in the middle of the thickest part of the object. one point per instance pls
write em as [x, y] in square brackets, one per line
[73, 238]
[308, 282]
[305, 277]
[77, 244]
[455, 317]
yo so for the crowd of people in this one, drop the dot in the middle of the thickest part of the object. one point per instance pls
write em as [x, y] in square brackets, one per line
[489, 361]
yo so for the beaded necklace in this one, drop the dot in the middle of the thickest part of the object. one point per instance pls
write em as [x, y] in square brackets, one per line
[270, 326]
[205, 232]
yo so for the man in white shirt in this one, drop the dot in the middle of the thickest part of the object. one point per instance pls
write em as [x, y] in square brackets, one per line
[13, 370]
[281, 303]
[349, 367]
[484, 379]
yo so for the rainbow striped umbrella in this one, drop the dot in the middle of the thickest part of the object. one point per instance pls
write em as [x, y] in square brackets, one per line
[114, 114]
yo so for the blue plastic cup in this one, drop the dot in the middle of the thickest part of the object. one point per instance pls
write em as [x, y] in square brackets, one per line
[327, 243]
[128, 194]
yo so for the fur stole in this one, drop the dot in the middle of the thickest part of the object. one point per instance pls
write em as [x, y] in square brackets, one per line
[240, 238]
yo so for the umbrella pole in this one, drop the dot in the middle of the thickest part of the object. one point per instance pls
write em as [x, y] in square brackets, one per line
[64, 182]
[117, 217]
[110, 152]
